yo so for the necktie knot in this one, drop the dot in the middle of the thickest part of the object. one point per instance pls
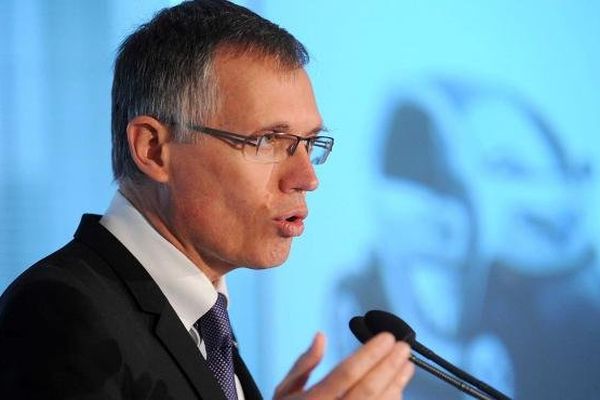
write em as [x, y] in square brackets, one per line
[215, 326]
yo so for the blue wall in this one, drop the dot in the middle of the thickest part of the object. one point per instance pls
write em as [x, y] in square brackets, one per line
[460, 193]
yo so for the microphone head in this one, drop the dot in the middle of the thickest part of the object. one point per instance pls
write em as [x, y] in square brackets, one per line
[381, 321]
[359, 329]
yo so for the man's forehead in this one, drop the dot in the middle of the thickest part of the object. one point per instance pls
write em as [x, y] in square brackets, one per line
[260, 92]
[250, 66]
[256, 54]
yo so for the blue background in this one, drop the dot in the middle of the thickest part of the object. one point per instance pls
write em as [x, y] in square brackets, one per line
[460, 194]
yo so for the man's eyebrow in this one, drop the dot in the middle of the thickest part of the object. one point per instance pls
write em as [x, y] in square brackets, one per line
[285, 128]
[320, 129]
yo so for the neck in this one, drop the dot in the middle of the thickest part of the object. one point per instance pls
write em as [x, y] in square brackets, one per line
[150, 200]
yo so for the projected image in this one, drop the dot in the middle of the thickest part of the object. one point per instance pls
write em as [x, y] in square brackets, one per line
[483, 245]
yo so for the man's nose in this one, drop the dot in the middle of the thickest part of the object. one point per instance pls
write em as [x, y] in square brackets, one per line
[299, 173]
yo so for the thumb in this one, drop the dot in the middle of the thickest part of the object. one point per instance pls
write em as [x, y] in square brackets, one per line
[298, 375]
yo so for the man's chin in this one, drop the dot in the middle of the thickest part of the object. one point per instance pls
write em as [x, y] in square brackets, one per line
[263, 267]
[272, 253]
[272, 260]
[267, 264]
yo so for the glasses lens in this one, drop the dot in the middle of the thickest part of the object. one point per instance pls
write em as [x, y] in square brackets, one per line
[277, 147]
[320, 149]
[252, 151]
[267, 148]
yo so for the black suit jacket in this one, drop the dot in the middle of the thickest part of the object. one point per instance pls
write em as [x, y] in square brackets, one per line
[88, 322]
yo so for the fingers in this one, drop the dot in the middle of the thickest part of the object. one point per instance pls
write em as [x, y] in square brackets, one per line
[386, 376]
[379, 370]
[368, 372]
[300, 371]
[396, 387]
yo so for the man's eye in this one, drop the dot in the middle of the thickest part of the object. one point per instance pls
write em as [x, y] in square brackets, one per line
[269, 138]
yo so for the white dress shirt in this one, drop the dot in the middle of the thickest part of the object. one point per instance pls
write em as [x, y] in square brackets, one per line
[186, 287]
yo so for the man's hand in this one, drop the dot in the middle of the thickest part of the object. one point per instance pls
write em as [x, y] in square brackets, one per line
[378, 370]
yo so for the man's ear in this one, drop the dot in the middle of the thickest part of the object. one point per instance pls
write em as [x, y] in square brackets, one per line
[147, 139]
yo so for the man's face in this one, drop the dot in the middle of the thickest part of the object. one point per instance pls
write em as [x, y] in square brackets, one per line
[227, 211]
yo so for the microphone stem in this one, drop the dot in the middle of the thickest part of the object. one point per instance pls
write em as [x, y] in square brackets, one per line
[460, 385]
[465, 376]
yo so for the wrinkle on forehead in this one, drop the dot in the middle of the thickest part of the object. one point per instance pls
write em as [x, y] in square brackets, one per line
[248, 84]
[285, 72]
[258, 53]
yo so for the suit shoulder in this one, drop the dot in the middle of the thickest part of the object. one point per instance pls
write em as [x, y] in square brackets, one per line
[72, 264]
[62, 283]
[52, 326]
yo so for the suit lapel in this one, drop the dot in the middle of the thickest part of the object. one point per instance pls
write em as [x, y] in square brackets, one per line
[170, 331]
[251, 391]
[149, 297]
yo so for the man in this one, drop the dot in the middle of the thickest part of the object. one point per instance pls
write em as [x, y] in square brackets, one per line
[215, 130]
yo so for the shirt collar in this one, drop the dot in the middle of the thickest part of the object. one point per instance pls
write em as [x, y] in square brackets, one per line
[186, 287]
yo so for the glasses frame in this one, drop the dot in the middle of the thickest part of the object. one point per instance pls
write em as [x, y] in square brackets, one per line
[325, 142]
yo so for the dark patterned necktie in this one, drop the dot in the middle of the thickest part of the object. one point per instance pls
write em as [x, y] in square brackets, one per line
[215, 329]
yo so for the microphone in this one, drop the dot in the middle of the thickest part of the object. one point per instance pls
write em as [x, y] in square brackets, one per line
[363, 334]
[376, 321]
[380, 321]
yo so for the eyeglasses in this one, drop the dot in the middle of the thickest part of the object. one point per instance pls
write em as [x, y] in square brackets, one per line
[273, 147]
